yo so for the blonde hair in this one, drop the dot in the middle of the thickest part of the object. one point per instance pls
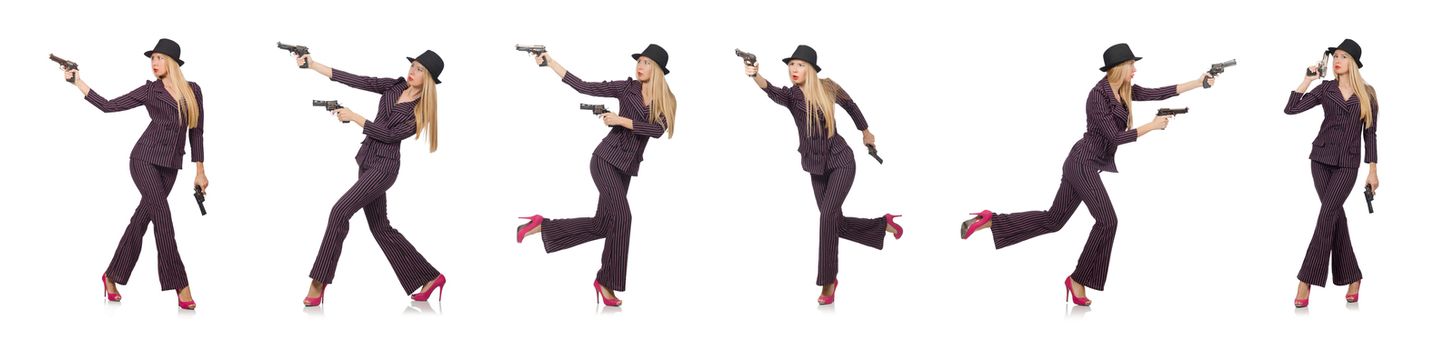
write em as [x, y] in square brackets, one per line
[1118, 78]
[425, 114]
[187, 106]
[1366, 96]
[664, 104]
[820, 95]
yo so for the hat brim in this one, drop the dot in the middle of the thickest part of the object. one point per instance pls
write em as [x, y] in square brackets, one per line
[1107, 68]
[637, 56]
[816, 69]
[431, 75]
[148, 54]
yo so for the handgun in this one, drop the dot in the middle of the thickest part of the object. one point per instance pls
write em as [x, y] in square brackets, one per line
[534, 50]
[1369, 197]
[1323, 67]
[874, 152]
[595, 109]
[299, 50]
[748, 58]
[197, 194]
[1171, 112]
[1217, 68]
[68, 65]
[331, 105]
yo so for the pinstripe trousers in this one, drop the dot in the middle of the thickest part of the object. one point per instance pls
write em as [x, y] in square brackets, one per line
[1079, 183]
[367, 193]
[1331, 234]
[613, 221]
[829, 190]
[154, 182]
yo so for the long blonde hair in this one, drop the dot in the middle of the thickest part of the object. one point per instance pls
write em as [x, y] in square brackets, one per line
[820, 95]
[186, 107]
[1118, 77]
[1366, 96]
[664, 103]
[424, 114]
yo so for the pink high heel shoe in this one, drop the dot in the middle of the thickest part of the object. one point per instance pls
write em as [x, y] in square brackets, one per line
[315, 301]
[969, 226]
[1302, 303]
[185, 305]
[829, 299]
[109, 295]
[535, 221]
[601, 297]
[898, 231]
[1082, 301]
[439, 283]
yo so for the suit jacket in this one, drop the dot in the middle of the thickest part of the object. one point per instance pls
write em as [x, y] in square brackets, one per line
[162, 142]
[818, 153]
[1106, 124]
[393, 123]
[1338, 141]
[622, 148]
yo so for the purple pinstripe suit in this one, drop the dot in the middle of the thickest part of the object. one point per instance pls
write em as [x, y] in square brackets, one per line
[1334, 164]
[1106, 128]
[830, 164]
[613, 164]
[154, 163]
[378, 160]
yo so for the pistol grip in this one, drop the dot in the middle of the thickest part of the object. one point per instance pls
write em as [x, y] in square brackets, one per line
[1310, 72]
[305, 63]
[72, 80]
[545, 62]
[1205, 84]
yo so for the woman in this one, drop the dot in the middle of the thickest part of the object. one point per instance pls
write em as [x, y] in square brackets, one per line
[650, 109]
[407, 108]
[1351, 109]
[1108, 124]
[828, 160]
[175, 107]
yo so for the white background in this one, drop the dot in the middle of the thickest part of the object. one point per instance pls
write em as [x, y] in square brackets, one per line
[974, 104]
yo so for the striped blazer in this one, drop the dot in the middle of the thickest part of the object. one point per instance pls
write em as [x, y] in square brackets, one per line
[1338, 141]
[164, 139]
[818, 153]
[622, 148]
[1106, 124]
[393, 123]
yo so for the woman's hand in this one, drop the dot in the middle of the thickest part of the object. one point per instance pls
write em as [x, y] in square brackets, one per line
[611, 119]
[541, 58]
[201, 180]
[69, 74]
[300, 60]
[869, 138]
[1209, 78]
[348, 115]
[1313, 68]
[751, 71]
[1373, 179]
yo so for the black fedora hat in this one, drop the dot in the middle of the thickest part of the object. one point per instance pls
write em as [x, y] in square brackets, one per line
[1352, 48]
[169, 48]
[1116, 54]
[431, 63]
[657, 54]
[807, 54]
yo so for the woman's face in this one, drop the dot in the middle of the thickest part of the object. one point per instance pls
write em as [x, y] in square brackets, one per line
[1131, 70]
[1342, 60]
[159, 65]
[798, 71]
[416, 75]
[644, 69]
